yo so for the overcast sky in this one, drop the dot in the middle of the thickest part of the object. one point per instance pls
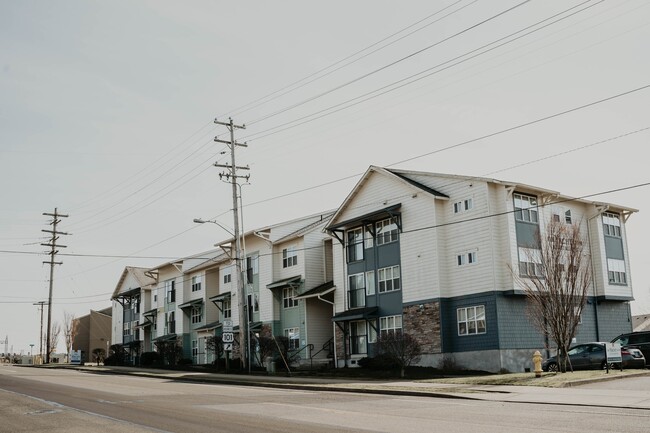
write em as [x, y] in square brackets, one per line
[106, 113]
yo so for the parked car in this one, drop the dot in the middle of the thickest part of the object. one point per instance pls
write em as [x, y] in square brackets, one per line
[636, 340]
[591, 356]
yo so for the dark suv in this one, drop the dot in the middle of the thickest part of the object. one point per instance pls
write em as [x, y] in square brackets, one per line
[639, 340]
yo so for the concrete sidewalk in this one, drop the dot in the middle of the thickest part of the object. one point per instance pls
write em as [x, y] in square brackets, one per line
[571, 395]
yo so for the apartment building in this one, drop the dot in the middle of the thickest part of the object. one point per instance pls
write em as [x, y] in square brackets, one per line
[434, 255]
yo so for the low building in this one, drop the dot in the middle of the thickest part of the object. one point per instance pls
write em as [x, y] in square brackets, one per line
[93, 332]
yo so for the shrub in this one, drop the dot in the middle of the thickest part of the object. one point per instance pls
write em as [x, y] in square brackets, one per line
[150, 358]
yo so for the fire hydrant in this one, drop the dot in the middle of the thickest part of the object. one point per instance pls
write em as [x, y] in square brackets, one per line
[537, 363]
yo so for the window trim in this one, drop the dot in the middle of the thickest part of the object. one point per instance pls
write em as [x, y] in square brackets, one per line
[395, 281]
[295, 331]
[384, 323]
[289, 257]
[531, 209]
[392, 234]
[197, 281]
[196, 314]
[288, 297]
[477, 318]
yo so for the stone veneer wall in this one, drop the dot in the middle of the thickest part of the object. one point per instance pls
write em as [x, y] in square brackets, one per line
[422, 321]
[340, 340]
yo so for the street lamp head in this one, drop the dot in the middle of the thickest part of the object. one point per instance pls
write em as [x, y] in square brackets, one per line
[198, 221]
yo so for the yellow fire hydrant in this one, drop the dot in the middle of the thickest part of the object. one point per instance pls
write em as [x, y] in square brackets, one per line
[537, 363]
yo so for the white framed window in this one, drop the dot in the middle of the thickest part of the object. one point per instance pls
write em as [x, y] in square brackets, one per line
[293, 334]
[288, 295]
[369, 241]
[170, 291]
[389, 279]
[196, 283]
[357, 290]
[195, 351]
[463, 205]
[612, 224]
[289, 257]
[256, 303]
[471, 320]
[370, 283]
[372, 333]
[390, 324]
[386, 231]
[530, 262]
[616, 271]
[358, 337]
[467, 258]
[227, 274]
[355, 244]
[127, 330]
[196, 315]
[526, 208]
[227, 308]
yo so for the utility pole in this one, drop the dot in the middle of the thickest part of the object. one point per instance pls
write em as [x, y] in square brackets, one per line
[40, 349]
[53, 252]
[232, 175]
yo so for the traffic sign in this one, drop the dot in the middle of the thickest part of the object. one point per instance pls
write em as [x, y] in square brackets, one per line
[227, 326]
[227, 347]
[227, 337]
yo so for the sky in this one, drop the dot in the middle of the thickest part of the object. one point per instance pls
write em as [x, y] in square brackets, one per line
[107, 110]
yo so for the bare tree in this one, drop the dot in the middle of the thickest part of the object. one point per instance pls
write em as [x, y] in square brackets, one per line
[54, 337]
[401, 348]
[557, 288]
[70, 330]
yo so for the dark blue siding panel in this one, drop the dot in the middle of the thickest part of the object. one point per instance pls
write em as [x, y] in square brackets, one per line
[516, 330]
[451, 341]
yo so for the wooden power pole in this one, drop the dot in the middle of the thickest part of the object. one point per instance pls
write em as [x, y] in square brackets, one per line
[232, 175]
[53, 252]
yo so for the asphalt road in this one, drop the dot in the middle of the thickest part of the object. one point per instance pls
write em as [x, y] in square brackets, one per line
[33, 400]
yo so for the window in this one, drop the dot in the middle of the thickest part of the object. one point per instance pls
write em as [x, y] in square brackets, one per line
[197, 314]
[155, 296]
[170, 291]
[370, 283]
[530, 262]
[195, 351]
[256, 303]
[289, 257]
[616, 271]
[390, 324]
[612, 224]
[288, 295]
[126, 329]
[171, 323]
[227, 275]
[463, 205]
[386, 231]
[525, 208]
[357, 290]
[227, 308]
[252, 267]
[369, 241]
[196, 283]
[466, 258]
[293, 334]
[388, 279]
[567, 217]
[358, 337]
[355, 244]
[471, 320]
[137, 304]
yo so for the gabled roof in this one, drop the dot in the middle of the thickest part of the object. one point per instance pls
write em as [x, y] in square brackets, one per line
[139, 274]
[420, 180]
[399, 175]
[308, 228]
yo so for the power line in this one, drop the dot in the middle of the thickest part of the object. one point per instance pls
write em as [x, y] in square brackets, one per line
[368, 74]
[395, 85]
[317, 75]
